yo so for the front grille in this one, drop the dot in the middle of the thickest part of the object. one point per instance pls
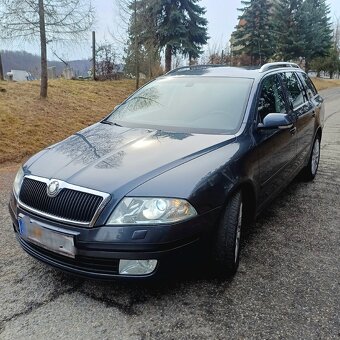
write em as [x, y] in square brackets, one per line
[69, 204]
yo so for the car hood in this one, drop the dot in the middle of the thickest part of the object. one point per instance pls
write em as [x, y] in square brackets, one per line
[111, 158]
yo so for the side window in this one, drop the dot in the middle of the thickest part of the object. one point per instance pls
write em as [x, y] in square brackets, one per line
[271, 98]
[296, 93]
[309, 83]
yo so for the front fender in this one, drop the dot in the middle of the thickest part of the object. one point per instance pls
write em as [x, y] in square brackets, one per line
[205, 181]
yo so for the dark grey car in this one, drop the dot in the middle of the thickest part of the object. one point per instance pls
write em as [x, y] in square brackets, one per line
[179, 168]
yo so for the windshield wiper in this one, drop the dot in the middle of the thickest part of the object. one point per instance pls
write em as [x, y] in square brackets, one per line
[110, 123]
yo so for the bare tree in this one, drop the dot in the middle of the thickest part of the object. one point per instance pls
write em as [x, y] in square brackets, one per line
[46, 21]
[106, 68]
[216, 54]
[137, 34]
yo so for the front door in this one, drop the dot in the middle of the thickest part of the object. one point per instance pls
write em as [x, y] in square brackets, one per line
[276, 147]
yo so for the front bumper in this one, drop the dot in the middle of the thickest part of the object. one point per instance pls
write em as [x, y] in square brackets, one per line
[99, 249]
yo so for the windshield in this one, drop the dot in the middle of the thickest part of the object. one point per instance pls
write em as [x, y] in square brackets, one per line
[186, 104]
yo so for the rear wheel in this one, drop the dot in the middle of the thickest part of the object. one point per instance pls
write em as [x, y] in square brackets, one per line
[308, 173]
[228, 237]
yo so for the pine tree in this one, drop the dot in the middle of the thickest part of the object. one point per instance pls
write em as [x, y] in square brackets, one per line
[315, 29]
[181, 28]
[288, 40]
[332, 63]
[253, 35]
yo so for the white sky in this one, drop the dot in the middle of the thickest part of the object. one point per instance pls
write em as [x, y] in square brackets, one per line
[221, 14]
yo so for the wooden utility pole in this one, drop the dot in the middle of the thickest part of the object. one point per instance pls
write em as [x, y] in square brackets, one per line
[94, 54]
[1, 69]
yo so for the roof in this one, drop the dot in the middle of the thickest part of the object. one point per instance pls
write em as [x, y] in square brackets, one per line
[20, 71]
[229, 71]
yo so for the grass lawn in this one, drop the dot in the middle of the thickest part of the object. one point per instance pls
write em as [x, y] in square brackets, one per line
[323, 84]
[28, 124]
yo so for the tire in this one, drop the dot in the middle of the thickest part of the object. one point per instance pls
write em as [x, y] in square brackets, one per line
[226, 248]
[309, 171]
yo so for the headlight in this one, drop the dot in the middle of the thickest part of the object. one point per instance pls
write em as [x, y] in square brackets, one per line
[18, 181]
[143, 210]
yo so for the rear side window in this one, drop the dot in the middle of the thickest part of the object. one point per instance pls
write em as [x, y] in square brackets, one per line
[296, 94]
[309, 83]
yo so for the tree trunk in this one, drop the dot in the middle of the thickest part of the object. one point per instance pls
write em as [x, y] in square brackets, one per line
[94, 55]
[1, 70]
[136, 46]
[137, 75]
[43, 49]
[307, 67]
[150, 66]
[168, 57]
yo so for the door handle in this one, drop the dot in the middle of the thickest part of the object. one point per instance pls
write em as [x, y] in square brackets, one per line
[293, 130]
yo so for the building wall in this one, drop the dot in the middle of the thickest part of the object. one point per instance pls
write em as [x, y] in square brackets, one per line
[19, 75]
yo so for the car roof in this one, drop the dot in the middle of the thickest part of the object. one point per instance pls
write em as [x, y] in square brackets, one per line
[229, 71]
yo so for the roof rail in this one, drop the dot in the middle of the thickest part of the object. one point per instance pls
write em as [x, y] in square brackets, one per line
[280, 64]
[194, 67]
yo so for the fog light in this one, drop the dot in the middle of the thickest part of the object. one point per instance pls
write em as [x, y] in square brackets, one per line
[137, 267]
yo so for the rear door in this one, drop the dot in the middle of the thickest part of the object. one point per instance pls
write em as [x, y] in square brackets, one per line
[304, 110]
[313, 96]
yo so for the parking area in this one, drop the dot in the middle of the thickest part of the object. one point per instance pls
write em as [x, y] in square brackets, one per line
[287, 286]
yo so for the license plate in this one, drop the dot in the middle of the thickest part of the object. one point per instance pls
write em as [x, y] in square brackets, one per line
[49, 239]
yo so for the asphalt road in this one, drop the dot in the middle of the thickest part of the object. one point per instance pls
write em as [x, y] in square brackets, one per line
[287, 286]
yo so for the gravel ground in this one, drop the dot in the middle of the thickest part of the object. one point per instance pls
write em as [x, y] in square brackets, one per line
[287, 286]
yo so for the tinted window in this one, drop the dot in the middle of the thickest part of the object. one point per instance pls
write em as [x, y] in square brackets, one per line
[296, 93]
[309, 83]
[190, 103]
[271, 98]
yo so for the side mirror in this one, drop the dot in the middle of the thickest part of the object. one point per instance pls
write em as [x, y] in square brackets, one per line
[276, 121]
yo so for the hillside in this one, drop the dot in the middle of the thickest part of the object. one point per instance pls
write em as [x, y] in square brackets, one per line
[21, 60]
[28, 124]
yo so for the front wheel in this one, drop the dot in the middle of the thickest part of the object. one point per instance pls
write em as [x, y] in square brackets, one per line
[308, 173]
[227, 243]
